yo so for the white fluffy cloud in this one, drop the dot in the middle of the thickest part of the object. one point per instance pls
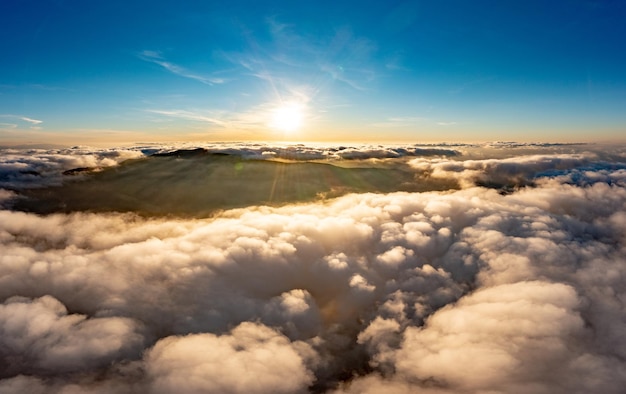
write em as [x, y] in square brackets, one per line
[40, 336]
[24, 168]
[251, 359]
[441, 292]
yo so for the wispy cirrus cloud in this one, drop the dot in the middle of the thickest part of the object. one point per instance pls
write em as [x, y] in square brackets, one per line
[400, 121]
[471, 84]
[18, 122]
[22, 118]
[188, 115]
[340, 57]
[255, 117]
[157, 58]
[34, 87]
[408, 121]
[32, 121]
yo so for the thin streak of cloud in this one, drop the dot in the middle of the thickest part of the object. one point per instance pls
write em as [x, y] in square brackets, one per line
[337, 73]
[471, 84]
[23, 118]
[406, 119]
[400, 121]
[156, 58]
[188, 115]
[258, 117]
[30, 120]
[36, 86]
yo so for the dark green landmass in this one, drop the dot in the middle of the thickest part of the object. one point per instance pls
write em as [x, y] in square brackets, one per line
[199, 184]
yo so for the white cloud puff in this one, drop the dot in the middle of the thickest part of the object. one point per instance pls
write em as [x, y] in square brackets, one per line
[39, 336]
[24, 168]
[251, 359]
[497, 338]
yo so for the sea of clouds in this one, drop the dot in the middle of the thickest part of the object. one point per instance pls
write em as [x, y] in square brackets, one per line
[513, 283]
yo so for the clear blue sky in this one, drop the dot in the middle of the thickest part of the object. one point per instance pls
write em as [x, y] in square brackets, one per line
[447, 70]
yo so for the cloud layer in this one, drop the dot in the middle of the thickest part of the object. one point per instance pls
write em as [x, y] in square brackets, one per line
[26, 168]
[463, 291]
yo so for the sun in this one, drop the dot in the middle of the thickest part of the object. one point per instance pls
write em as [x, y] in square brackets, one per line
[287, 117]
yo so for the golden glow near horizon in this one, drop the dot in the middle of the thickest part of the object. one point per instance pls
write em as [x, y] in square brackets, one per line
[287, 117]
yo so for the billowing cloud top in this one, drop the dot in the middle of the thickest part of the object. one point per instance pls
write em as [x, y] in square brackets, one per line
[511, 281]
[23, 168]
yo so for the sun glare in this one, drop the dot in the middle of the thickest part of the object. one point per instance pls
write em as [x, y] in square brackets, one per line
[287, 118]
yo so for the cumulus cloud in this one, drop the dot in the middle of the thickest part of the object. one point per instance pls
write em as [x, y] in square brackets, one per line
[496, 338]
[39, 336]
[520, 170]
[251, 359]
[24, 168]
[459, 291]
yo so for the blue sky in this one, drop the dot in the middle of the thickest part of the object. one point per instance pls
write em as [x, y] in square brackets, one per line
[450, 70]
